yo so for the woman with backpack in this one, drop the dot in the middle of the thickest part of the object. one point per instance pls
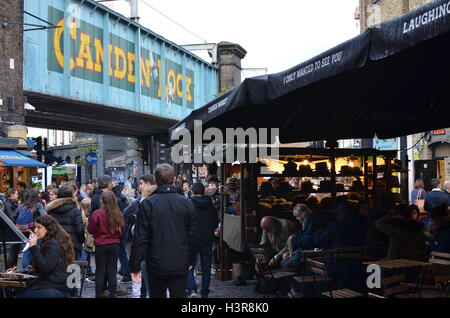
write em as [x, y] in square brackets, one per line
[27, 213]
[65, 210]
[106, 225]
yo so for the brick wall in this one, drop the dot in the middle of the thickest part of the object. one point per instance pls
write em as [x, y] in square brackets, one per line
[385, 10]
[382, 10]
[229, 62]
[11, 46]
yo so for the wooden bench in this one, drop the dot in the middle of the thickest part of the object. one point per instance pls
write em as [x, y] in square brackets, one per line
[346, 253]
[440, 271]
[393, 287]
[344, 293]
[83, 270]
[278, 279]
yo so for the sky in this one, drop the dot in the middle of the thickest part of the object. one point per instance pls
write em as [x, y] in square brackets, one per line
[276, 34]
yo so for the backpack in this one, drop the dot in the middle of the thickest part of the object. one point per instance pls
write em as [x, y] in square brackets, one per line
[25, 220]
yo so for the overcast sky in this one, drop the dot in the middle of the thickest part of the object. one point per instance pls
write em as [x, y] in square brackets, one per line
[276, 34]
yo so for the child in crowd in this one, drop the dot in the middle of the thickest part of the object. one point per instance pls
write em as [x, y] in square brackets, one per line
[88, 247]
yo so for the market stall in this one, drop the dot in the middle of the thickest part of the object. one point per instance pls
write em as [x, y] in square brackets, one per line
[269, 187]
[16, 167]
[390, 81]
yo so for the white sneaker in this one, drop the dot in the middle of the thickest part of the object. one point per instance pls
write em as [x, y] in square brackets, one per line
[193, 295]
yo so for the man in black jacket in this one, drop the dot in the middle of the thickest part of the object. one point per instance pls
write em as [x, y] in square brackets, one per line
[105, 183]
[436, 197]
[165, 237]
[130, 214]
[207, 220]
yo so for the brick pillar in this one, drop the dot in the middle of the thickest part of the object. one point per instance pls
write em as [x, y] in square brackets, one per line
[11, 79]
[229, 56]
[405, 6]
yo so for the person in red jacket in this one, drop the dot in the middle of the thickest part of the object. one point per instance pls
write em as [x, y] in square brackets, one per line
[107, 226]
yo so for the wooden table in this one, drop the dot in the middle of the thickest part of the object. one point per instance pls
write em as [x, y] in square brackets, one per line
[399, 264]
[15, 280]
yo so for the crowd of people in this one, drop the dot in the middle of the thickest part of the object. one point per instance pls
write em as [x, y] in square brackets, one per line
[170, 225]
[166, 226]
[400, 231]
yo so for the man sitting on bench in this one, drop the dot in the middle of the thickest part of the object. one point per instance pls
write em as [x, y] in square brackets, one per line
[275, 235]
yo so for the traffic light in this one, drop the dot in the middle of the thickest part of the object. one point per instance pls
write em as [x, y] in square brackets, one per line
[143, 150]
[38, 146]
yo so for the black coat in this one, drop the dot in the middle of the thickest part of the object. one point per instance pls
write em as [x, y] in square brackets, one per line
[95, 201]
[434, 199]
[65, 211]
[206, 218]
[11, 209]
[122, 202]
[165, 233]
[48, 265]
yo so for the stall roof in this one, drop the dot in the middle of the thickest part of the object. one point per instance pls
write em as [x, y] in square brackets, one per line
[389, 81]
[14, 159]
[248, 95]
[26, 153]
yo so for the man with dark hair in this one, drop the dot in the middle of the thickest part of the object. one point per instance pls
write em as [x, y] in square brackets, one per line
[207, 221]
[130, 215]
[105, 183]
[186, 191]
[147, 178]
[436, 197]
[21, 187]
[165, 234]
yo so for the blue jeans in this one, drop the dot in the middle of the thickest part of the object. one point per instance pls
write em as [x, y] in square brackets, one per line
[26, 257]
[206, 256]
[86, 256]
[43, 293]
[123, 257]
[145, 287]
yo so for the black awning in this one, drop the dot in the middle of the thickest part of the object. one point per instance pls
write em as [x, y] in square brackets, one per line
[347, 56]
[230, 109]
[401, 89]
[407, 30]
[392, 80]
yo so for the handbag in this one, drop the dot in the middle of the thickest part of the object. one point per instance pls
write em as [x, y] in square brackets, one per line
[420, 202]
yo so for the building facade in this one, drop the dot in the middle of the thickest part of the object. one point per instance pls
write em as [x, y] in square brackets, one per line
[11, 65]
[428, 152]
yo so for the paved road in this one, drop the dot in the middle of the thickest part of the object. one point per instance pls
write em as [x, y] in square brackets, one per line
[218, 289]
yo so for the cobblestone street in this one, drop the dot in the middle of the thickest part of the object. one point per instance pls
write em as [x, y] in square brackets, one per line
[218, 288]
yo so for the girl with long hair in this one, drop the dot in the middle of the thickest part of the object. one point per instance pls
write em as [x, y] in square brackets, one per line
[106, 225]
[50, 259]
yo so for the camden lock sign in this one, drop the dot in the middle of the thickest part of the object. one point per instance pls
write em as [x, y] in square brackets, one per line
[88, 56]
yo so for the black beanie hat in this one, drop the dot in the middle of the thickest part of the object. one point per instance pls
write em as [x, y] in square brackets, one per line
[198, 188]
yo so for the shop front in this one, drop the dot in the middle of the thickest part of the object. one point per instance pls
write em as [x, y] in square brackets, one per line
[270, 187]
[434, 163]
[16, 167]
